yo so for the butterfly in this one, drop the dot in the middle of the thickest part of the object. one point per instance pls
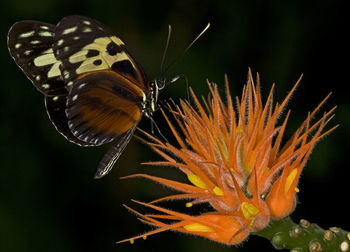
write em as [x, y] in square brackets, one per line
[95, 91]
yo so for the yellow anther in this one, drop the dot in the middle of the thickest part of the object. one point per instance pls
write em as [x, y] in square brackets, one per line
[197, 227]
[195, 180]
[131, 241]
[189, 204]
[267, 169]
[249, 210]
[144, 237]
[296, 189]
[290, 180]
[239, 130]
[218, 191]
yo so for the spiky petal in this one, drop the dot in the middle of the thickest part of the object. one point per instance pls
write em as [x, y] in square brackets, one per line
[234, 160]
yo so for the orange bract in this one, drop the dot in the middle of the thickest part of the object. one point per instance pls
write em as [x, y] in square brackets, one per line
[235, 161]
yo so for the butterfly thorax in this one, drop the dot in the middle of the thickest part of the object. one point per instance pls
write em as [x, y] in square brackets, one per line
[150, 99]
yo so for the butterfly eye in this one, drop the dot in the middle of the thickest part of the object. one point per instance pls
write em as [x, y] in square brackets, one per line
[160, 83]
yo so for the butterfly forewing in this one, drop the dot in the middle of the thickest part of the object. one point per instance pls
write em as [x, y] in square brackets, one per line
[84, 45]
[30, 45]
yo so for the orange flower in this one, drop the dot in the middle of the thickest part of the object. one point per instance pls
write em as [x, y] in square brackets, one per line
[233, 160]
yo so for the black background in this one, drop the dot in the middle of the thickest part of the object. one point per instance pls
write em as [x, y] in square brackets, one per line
[49, 200]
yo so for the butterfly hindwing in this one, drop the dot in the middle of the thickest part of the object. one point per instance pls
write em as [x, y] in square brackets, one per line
[85, 45]
[56, 110]
[30, 45]
[102, 106]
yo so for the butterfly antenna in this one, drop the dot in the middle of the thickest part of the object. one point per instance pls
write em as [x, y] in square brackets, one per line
[186, 49]
[165, 50]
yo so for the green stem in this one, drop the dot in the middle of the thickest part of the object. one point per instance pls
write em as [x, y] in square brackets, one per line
[305, 237]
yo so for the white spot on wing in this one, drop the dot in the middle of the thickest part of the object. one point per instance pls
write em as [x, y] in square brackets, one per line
[65, 74]
[27, 34]
[69, 30]
[87, 29]
[47, 51]
[60, 42]
[35, 42]
[104, 140]
[75, 97]
[82, 85]
[27, 52]
[46, 86]
[70, 83]
[37, 78]
[45, 34]
[44, 27]
[86, 22]
[55, 98]
[18, 45]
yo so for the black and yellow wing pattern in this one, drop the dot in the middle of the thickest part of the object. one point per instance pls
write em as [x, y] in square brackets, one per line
[94, 90]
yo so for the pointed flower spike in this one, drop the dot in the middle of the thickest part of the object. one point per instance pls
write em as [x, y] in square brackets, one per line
[233, 157]
[220, 228]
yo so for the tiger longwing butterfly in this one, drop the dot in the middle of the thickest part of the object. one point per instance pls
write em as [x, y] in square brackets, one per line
[95, 92]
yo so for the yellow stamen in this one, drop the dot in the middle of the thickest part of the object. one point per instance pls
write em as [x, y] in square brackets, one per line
[239, 130]
[267, 169]
[189, 204]
[296, 189]
[249, 210]
[131, 241]
[195, 180]
[218, 191]
[197, 227]
[144, 237]
[290, 180]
